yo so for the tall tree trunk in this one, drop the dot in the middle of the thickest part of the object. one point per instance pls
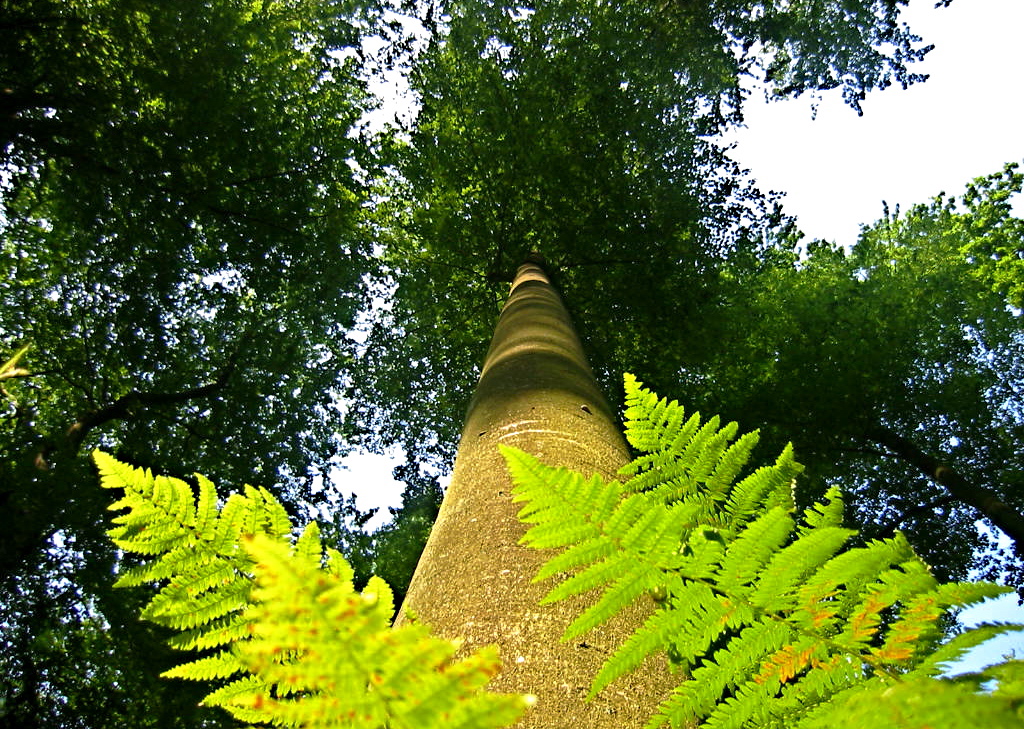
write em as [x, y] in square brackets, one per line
[536, 392]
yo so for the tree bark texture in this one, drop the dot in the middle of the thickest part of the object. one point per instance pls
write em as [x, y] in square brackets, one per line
[536, 392]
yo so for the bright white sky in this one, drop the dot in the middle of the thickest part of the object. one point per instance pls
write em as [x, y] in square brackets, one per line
[966, 121]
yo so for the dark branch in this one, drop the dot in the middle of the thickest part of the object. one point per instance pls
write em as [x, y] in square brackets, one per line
[127, 406]
[890, 527]
[986, 501]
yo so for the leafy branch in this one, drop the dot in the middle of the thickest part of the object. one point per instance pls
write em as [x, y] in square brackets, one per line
[10, 368]
[128, 405]
[985, 500]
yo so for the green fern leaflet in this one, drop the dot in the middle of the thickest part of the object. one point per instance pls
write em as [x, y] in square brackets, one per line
[770, 618]
[285, 635]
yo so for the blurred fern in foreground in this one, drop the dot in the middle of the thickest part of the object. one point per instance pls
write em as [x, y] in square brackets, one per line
[771, 619]
[285, 635]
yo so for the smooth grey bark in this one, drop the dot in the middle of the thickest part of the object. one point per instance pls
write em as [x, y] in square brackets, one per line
[536, 392]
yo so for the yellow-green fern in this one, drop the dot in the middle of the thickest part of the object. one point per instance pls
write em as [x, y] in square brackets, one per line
[284, 633]
[772, 619]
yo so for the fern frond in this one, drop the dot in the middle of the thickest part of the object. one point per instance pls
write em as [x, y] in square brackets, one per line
[230, 524]
[330, 651]
[566, 509]
[220, 665]
[308, 546]
[176, 609]
[215, 634]
[657, 632]
[750, 552]
[631, 583]
[722, 673]
[709, 618]
[791, 565]
[581, 554]
[303, 648]
[829, 513]
[917, 632]
[865, 619]
[852, 571]
[599, 574]
[240, 694]
[914, 704]
[948, 653]
[706, 448]
[732, 462]
[765, 488]
[1010, 676]
[777, 620]
[654, 423]
[206, 505]
[746, 707]
[269, 516]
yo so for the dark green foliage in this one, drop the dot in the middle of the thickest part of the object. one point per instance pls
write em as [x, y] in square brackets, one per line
[183, 248]
[298, 645]
[71, 661]
[995, 234]
[398, 544]
[390, 551]
[183, 245]
[771, 620]
[893, 369]
[180, 243]
[586, 131]
[805, 47]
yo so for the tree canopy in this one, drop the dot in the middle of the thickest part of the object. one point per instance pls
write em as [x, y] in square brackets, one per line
[892, 368]
[181, 210]
[587, 131]
[182, 251]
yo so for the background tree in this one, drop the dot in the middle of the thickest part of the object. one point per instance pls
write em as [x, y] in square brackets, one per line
[992, 237]
[190, 219]
[392, 549]
[585, 130]
[181, 246]
[893, 369]
[183, 242]
[76, 656]
[474, 582]
[588, 132]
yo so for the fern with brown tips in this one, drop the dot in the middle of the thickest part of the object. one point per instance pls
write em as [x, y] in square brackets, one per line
[771, 618]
